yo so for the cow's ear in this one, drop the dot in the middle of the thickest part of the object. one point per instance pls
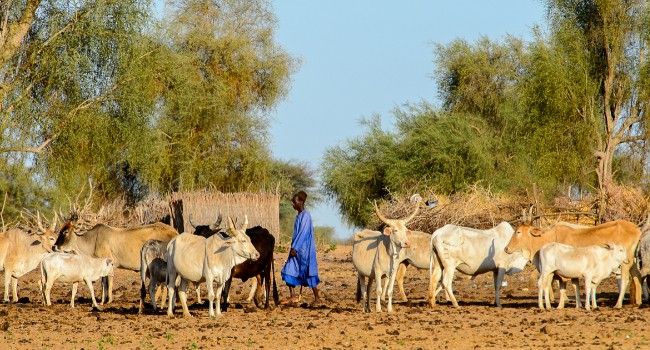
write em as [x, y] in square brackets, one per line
[408, 232]
[536, 232]
[388, 230]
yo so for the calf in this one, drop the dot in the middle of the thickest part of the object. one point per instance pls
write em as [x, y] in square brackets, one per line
[153, 264]
[474, 252]
[593, 263]
[72, 268]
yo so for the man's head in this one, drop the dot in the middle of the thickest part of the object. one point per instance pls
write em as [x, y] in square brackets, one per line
[298, 200]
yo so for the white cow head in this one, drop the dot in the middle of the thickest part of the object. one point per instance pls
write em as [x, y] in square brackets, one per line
[240, 242]
[396, 228]
[619, 253]
[46, 236]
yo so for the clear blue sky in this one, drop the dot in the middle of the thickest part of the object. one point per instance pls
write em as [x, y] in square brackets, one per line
[361, 58]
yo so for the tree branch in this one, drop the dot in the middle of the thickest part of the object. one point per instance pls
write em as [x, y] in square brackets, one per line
[16, 32]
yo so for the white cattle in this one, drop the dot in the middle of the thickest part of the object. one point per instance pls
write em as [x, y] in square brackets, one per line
[198, 259]
[20, 253]
[73, 269]
[474, 252]
[375, 254]
[593, 263]
[419, 255]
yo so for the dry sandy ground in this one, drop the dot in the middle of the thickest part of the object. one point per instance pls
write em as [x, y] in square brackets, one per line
[337, 325]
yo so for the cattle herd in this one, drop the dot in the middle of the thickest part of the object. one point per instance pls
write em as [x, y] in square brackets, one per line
[214, 255]
[561, 252]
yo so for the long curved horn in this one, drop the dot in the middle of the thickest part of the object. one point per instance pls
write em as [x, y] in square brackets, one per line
[530, 215]
[524, 219]
[55, 220]
[39, 223]
[214, 226]
[380, 216]
[245, 226]
[189, 217]
[231, 227]
[415, 212]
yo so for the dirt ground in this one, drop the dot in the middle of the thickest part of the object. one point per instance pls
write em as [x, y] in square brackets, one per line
[337, 325]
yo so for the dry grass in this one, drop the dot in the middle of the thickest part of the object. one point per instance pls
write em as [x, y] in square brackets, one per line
[480, 208]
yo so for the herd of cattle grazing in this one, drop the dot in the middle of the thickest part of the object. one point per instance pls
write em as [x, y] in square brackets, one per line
[561, 252]
[215, 255]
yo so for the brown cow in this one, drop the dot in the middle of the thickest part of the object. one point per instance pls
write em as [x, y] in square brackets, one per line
[529, 240]
[122, 245]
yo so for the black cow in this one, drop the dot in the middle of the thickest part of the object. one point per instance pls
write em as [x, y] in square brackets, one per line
[263, 269]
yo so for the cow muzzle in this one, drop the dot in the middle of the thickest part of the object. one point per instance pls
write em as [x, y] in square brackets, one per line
[406, 245]
[255, 256]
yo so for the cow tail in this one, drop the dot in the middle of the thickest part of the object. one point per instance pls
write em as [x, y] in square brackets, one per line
[276, 297]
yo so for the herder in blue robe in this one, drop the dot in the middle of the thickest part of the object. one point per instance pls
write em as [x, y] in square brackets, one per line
[301, 268]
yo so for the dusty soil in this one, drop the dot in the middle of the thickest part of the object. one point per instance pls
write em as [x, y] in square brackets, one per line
[337, 325]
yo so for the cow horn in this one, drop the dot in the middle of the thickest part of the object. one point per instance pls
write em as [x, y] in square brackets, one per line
[216, 224]
[524, 220]
[245, 226]
[530, 215]
[190, 219]
[55, 220]
[380, 216]
[231, 227]
[38, 222]
[415, 212]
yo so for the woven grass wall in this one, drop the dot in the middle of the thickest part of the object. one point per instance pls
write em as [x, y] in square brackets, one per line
[204, 207]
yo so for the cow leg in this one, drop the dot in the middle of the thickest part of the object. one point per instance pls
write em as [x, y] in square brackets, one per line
[211, 295]
[75, 285]
[399, 278]
[391, 285]
[434, 282]
[89, 283]
[378, 289]
[163, 298]
[361, 285]
[253, 292]
[562, 285]
[447, 279]
[588, 291]
[635, 287]
[47, 288]
[152, 294]
[182, 295]
[560, 304]
[171, 289]
[220, 287]
[143, 294]
[498, 279]
[197, 286]
[14, 285]
[622, 285]
[576, 290]
[226, 294]
[7, 282]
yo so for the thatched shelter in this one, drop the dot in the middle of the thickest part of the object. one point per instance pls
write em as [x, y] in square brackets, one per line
[204, 207]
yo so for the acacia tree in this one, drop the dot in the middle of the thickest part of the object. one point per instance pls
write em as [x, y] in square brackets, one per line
[613, 39]
[221, 73]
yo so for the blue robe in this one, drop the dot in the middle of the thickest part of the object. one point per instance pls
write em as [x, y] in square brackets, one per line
[302, 269]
